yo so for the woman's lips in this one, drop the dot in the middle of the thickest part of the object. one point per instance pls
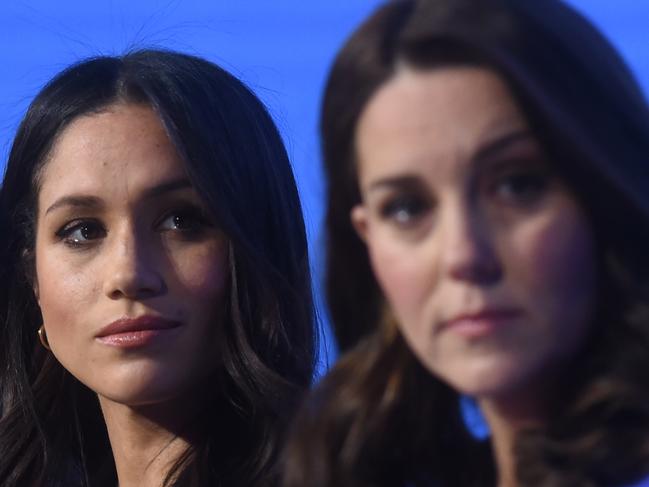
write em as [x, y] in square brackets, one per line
[135, 332]
[481, 323]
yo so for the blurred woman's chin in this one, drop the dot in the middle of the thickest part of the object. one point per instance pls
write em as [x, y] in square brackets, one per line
[487, 377]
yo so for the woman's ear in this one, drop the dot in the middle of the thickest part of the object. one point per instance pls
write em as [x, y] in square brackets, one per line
[358, 216]
[35, 289]
[29, 268]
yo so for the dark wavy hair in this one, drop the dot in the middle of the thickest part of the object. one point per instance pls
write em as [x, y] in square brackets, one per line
[51, 429]
[379, 418]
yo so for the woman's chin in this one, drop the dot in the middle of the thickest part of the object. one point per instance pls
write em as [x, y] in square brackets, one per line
[486, 377]
[143, 390]
[134, 397]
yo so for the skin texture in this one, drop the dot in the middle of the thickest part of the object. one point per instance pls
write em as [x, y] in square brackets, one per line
[134, 240]
[462, 214]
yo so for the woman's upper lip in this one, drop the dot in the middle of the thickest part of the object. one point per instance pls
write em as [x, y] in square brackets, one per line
[486, 314]
[140, 323]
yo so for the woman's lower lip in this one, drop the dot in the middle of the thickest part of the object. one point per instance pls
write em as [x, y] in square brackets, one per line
[480, 327]
[134, 339]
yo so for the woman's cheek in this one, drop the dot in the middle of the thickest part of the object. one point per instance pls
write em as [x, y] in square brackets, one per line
[67, 297]
[403, 276]
[203, 269]
[63, 290]
[556, 268]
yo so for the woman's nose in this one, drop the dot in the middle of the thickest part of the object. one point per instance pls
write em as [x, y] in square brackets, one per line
[468, 253]
[130, 269]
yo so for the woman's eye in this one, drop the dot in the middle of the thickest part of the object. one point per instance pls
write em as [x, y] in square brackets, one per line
[186, 221]
[404, 210]
[525, 187]
[79, 233]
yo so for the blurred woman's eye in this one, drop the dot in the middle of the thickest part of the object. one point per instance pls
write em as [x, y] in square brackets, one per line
[521, 187]
[188, 221]
[404, 210]
[80, 233]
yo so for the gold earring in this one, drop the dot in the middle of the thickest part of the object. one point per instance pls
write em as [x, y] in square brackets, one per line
[42, 336]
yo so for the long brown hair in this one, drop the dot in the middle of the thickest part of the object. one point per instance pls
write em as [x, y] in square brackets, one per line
[378, 418]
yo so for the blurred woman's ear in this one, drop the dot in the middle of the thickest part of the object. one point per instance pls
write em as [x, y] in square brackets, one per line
[358, 217]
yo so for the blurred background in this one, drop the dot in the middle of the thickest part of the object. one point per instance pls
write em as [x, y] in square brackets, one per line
[281, 48]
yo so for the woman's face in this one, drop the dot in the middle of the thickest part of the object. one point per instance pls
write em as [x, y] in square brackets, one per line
[130, 270]
[483, 254]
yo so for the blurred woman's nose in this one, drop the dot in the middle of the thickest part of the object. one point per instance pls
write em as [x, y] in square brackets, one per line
[467, 250]
[130, 271]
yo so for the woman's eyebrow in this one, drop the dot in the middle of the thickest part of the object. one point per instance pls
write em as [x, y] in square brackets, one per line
[76, 201]
[395, 182]
[95, 203]
[167, 187]
[494, 146]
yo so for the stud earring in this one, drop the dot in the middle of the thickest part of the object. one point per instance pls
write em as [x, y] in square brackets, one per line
[42, 336]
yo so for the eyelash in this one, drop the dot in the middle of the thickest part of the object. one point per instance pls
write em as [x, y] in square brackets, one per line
[65, 233]
[198, 221]
[195, 215]
[404, 209]
[523, 187]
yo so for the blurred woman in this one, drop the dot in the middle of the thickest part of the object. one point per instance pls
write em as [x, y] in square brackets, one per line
[488, 226]
[156, 318]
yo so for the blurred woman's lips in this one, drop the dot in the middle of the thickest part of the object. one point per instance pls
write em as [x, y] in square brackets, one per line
[135, 332]
[480, 323]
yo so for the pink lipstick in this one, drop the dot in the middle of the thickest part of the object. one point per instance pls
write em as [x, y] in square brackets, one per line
[481, 323]
[135, 332]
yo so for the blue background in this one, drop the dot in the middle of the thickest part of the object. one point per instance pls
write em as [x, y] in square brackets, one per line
[281, 48]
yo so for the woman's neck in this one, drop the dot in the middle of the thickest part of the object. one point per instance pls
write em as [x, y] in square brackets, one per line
[146, 441]
[506, 416]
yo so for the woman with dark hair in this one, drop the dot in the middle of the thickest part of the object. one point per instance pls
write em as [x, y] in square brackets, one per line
[156, 318]
[488, 227]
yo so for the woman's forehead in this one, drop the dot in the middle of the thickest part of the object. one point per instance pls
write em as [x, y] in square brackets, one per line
[123, 149]
[444, 114]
